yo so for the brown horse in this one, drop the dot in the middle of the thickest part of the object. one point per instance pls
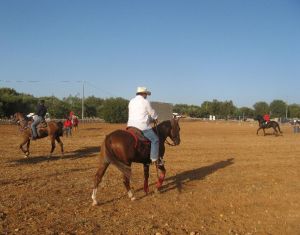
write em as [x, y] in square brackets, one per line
[53, 129]
[122, 147]
[271, 124]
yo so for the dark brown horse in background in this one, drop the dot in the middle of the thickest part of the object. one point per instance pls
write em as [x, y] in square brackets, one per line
[121, 148]
[270, 124]
[53, 129]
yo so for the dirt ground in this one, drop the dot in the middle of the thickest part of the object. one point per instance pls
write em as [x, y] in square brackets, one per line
[221, 179]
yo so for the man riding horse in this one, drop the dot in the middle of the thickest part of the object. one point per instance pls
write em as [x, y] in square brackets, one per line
[124, 147]
[264, 122]
[266, 119]
[40, 113]
[140, 116]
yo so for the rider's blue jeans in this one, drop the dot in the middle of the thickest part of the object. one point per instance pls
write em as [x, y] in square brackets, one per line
[150, 134]
[36, 121]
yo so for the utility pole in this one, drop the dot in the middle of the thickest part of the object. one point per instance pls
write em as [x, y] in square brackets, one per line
[82, 103]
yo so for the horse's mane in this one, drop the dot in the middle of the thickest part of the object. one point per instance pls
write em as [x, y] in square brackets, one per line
[163, 123]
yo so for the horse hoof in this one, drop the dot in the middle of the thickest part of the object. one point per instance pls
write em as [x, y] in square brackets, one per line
[26, 156]
[95, 203]
[156, 190]
[132, 199]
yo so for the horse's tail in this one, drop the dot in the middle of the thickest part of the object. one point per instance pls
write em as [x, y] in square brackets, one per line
[110, 156]
[60, 130]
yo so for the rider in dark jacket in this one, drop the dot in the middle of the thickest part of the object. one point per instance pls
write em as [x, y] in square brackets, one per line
[40, 113]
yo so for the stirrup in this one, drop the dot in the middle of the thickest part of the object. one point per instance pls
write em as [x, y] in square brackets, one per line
[159, 162]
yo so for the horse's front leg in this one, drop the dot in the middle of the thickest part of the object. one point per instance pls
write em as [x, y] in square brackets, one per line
[27, 150]
[126, 182]
[258, 130]
[25, 141]
[146, 178]
[161, 173]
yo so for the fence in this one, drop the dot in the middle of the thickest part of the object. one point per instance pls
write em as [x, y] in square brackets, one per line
[81, 121]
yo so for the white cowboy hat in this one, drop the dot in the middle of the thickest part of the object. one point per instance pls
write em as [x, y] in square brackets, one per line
[142, 90]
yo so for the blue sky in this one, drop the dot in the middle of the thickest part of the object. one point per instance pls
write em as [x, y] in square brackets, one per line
[185, 52]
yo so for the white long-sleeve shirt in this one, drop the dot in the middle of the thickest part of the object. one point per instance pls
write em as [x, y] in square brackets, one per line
[140, 113]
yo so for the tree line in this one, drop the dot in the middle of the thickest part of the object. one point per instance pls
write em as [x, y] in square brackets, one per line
[227, 110]
[115, 110]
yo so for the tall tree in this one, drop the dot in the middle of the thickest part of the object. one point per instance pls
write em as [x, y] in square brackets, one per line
[261, 108]
[294, 110]
[115, 110]
[278, 108]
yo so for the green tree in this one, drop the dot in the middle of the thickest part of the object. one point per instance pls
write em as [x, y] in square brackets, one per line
[93, 106]
[245, 112]
[57, 108]
[278, 108]
[214, 107]
[115, 110]
[74, 104]
[12, 102]
[181, 109]
[227, 109]
[294, 110]
[195, 111]
[261, 108]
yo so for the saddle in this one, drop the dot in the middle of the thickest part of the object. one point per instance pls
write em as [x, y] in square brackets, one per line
[42, 124]
[39, 128]
[142, 144]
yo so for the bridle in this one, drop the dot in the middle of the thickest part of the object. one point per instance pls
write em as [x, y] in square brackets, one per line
[22, 124]
[166, 140]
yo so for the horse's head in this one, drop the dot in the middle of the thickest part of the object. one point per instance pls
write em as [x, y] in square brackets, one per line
[259, 118]
[17, 118]
[175, 131]
[170, 129]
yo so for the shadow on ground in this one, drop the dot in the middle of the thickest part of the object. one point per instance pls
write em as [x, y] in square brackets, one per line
[77, 154]
[179, 180]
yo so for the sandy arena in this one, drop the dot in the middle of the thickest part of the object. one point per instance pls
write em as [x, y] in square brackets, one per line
[221, 179]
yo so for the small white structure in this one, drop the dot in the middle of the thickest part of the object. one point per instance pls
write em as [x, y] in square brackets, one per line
[212, 117]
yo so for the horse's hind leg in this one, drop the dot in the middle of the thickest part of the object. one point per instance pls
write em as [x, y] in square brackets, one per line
[61, 145]
[98, 177]
[275, 131]
[279, 130]
[146, 177]
[52, 145]
[126, 182]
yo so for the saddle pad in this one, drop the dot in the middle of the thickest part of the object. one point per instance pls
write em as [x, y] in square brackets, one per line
[137, 133]
[138, 136]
